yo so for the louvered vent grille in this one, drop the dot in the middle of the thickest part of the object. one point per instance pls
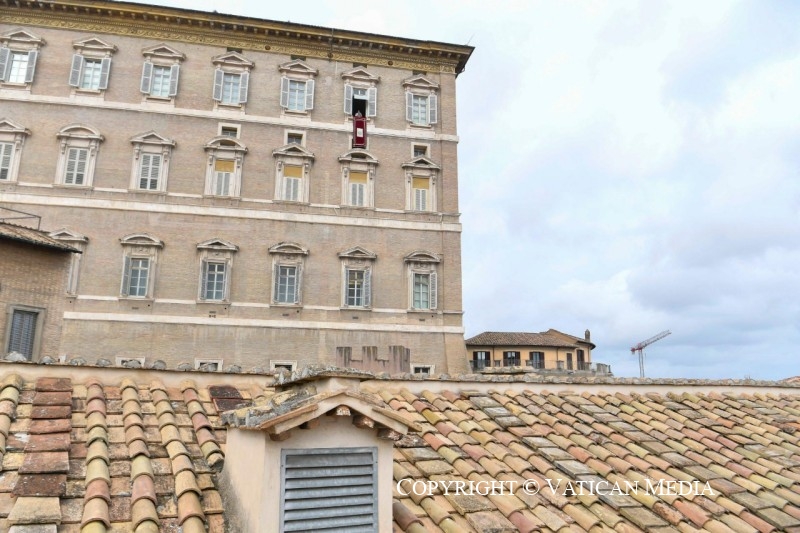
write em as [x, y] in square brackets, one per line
[329, 489]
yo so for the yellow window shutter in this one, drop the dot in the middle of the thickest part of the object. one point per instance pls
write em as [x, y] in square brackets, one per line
[224, 165]
[358, 177]
[419, 183]
[291, 171]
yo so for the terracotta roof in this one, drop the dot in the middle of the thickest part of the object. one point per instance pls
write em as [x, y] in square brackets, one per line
[32, 236]
[507, 338]
[122, 453]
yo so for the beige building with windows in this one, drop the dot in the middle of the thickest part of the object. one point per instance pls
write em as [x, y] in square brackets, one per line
[548, 351]
[204, 164]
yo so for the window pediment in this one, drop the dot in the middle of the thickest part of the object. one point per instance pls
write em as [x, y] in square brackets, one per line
[151, 137]
[298, 67]
[163, 51]
[64, 234]
[23, 38]
[293, 150]
[357, 252]
[360, 74]
[288, 248]
[422, 256]
[9, 126]
[233, 59]
[141, 239]
[358, 156]
[223, 142]
[217, 244]
[420, 82]
[80, 131]
[93, 44]
[421, 162]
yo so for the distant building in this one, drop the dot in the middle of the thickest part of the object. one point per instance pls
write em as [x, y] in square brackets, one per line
[34, 272]
[550, 350]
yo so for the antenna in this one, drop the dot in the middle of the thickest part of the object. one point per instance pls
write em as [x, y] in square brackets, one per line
[644, 344]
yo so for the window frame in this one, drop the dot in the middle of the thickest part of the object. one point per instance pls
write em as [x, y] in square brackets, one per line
[358, 259]
[516, 359]
[362, 162]
[79, 242]
[220, 252]
[19, 42]
[151, 143]
[421, 262]
[287, 254]
[95, 50]
[78, 136]
[139, 246]
[418, 87]
[224, 148]
[299, 72]
[422, 168]
[36, 339]
[429, 372]
[13, 135]
[160, 56]
[293, 155]
[360, 78]
[231, 64]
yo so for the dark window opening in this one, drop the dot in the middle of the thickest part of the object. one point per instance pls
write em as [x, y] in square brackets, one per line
[511, 359]
[420, 150]
[237, 50]
[297, 58]
[537, 360]
[23, 332]
[582, 361]
[569, 361]
[480, 360]
[359, 105]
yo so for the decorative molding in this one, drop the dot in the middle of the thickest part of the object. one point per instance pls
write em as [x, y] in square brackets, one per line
[162, 23]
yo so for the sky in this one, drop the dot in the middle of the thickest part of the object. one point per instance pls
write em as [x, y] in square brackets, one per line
[627, 167]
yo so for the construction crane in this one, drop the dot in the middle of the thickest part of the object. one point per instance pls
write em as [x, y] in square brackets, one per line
[644, 344]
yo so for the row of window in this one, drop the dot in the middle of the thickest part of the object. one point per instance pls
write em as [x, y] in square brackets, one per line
[140, 256]
[92, 62]
[482, 359]
[152, 153]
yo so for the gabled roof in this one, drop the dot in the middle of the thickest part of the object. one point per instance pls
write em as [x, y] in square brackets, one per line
[12, 232]
[508, 338]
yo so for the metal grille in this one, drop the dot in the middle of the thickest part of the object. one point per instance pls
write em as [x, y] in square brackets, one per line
[329, 489]
[23, 331]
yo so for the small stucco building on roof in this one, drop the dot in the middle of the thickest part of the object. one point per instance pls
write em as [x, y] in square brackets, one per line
[549, 350]
[34, 272]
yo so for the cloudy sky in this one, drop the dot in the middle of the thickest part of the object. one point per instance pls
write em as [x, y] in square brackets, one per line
[627, 167]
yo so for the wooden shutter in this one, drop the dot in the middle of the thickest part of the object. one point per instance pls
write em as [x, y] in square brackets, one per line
[243, 84]
[174, 74]
[105, 71]
[6, 149]
[147, 77]
[409, 106]
[297, 272]
[433, 290]
[348, 99]
[329, 489]
[5, 64]
[203, 280]
[372, 101]
[75, 70]
[218, 75]
[33, 55]
[433, 109]
[126, 276]
[23, 332]
[285, 92]
[309, 95]
[368, 287]
[276, 281]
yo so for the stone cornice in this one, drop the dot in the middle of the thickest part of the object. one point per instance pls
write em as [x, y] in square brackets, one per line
[183, 25]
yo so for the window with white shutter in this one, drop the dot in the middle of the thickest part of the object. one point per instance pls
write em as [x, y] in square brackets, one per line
[19, 51]
[231, 79]
[297, 86]
[75, 173]
[160, 72]
[140, 255]
[225, 161]
[216, 260]
[329, 489]
[6, 155]
[12, 141]
[287, 272]
[422, 101]
[151, 157]
[22, 335]
[149, 171]
[423, 280]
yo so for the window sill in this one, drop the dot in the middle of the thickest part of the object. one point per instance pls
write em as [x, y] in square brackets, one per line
[354, 308]
[145, 299]
[15, 86]
[423, 311]
[286, 305]
[359, 207]
[159, 100]
[148, 191]
[71, 186]
[221, 106]
[414, 125]
[213, 302]
[290, 202]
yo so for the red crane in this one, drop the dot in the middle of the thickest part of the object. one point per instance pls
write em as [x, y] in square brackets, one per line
[644, 344]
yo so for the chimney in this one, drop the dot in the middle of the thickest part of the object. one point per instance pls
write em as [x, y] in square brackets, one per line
[588, 335]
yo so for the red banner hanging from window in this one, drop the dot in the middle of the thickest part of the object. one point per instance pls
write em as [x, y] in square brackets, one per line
[359, 131]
